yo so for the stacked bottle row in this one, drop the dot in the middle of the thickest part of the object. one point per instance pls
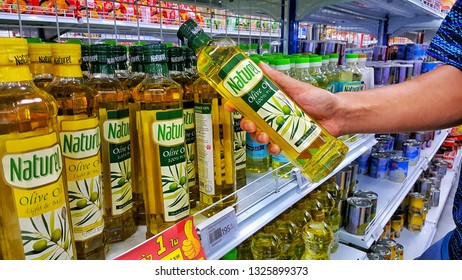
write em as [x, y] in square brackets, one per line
[306, 231]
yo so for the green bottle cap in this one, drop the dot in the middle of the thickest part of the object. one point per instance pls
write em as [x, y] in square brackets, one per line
[325, 57]
[102, 53]
[33, 40]
[190, 58]
[351, 55]
[110, 42]
[175, 59]
[268, 54]
[191, 34]
[282, 61]
[120, 52]
[255, 59]
[333, 55]
[302, 60]
[169, 44]
[156, 53]
[136, 54]
[253, 46]
[265, 46]
[315, 59]
[231, 255]
[73, 41]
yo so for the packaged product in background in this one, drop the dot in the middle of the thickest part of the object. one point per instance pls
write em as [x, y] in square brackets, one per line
[257, 157]
[266, 245]
[35, 218]
[160, 122]
[305, 142]
[367, 72]
[112, 103]
[80, 142]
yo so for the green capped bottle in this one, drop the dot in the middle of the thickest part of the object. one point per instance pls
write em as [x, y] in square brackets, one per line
[241, 81]
[160, 121]
[302, 71]
[35, 216]
[111, 103]
[316, 73]
[349, 77]
[333, 70]
[80, 141]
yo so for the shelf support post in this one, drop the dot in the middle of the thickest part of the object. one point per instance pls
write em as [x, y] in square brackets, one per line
[293, 27]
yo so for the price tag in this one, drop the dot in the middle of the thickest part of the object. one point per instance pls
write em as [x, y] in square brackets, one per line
[179, 242]
[218, 229]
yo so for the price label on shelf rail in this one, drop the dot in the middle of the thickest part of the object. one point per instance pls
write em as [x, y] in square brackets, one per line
[180, 242]
[218, 229]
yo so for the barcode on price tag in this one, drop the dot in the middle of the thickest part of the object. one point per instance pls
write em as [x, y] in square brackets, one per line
[218, 229]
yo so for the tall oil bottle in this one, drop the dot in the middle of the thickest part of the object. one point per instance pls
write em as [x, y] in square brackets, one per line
[160, 123]
[35, 219]
[41, 65]
[236, 77]
[266, 244]
[80, 143]
[111, 101]
[318, 238]
[240, 156]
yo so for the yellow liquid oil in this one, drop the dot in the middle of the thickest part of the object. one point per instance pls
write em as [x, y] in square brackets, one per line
[155, 97]
[113, 113]
[318, 238]
[240, 157]
[319, 157]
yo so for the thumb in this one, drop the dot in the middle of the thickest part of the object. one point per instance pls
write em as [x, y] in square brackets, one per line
[287, 84]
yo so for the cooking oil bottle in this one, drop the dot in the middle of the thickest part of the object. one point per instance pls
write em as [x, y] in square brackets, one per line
[318, 238]
[135, 76]
[302, 71]
[334, 221]
[266, 245]
[121, 63]
[316, 73]
[160, 124]
[80, 142]
[325, 198]
[177, 71]
[35, 217]
[85, 62]
[215, 148]
[300, 216]
[280, 162]
[349, 77]
[241, 81]
[312, 203]
[240, 156]
[333, 70]
[287, 232]
[40, 66]
[243, 250]
[113, 114]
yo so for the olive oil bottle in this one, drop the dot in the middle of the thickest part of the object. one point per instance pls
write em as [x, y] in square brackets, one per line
[266, 245]
[121, 63]
[111, 101]
[318, 238]
[85, 62]
[40, 66]
[240, 156]
[35, 218]
[161, 133]
[215, 148]
[238, 79]
[287, 232]
[80, 142]
[177, 71]
[135, 76]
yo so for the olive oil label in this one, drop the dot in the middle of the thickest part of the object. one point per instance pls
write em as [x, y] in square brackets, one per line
[117, 133]
[33, 168]
[205, 147]
[169, 135]
[81, 142]
[239, 142]
[243, 78]
[351, 86]
[190, 140]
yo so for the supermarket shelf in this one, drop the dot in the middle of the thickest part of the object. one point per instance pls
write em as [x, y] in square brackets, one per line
[390, 195]
[415, 243]
[345, 252]
[433, 216]
[270, 200]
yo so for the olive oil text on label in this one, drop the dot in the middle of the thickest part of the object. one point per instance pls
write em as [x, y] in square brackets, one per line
[33, 169]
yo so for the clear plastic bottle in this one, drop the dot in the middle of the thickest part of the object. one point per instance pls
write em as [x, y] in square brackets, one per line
[266, 245]
[334, 221]
[316, 73]
[29, 138]
[302, 71]
[300, 216]
[318, 238]
[112, 103]
[325, 65]
[367, 72]
[349, 77]
[287, 232]
[41, 66]
[333, 69]
[78, 123]
[240, 81]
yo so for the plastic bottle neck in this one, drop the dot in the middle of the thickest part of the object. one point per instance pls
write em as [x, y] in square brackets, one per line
[68, 71]
[15, 73]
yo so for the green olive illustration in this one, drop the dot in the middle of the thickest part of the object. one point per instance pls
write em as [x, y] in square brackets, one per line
[66, 246]
[299, 113]
[286, 110]
[56, 235]
[243, 143]
[173, 186]
[40, 245]
[94, 196]
[129, 175]
[182, 180]
[121, 182]
[192, 157]
[280, 120]
[81, 203]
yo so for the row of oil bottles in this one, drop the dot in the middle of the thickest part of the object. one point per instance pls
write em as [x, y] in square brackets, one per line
[97, 100]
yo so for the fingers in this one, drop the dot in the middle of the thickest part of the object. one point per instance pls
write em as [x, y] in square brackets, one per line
[229, 107]
[273, 149]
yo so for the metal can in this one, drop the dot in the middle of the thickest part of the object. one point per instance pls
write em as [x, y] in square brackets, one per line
[436, 180]
[382, 250]
[354, 177]
[373, 256]
[400, 251]
[371, 196]
[342, 208]
[396, 225]
[416, 202]
[389, 243]
[343, 180]
[400, 139]
[435, 197]
[422, 138]
[388, 139]
[380, 146]
[423, 186]
[363, 163]
[398, 169]
[441, 167]
[358, 215]
[415, 221]
[379, 165]
[411, 150]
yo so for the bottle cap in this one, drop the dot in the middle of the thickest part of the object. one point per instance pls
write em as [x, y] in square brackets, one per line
[66, 54]
[175, 55]
[33, 40]
[39, 52]
[265, 46]
[315, 59]
[302, 62]
[120, 56]
[325, 58]
[156, 53]
[255, 59]
[281, 64]
[333, 55]
[73, 41]
[191, 34]
[351, 57]
[102, 53]
[14, 52]
[244, 47]
[190, 58]
[253, 46]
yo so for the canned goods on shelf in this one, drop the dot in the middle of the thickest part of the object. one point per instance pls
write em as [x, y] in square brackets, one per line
[371, 196]
[400, 251]
[415, 221]
[416, 202]
[354, 177]
[343, 180]
[396, 225]
[382, 250]
[342, 208]
[388, 139]
[398, 169]
[379, 165]
[373, 256]
[436, 180]
[435, 197]
[411, 150]
[390, 243]
[363, 163]
[400, 139]
[358, 215]
[423, 186]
